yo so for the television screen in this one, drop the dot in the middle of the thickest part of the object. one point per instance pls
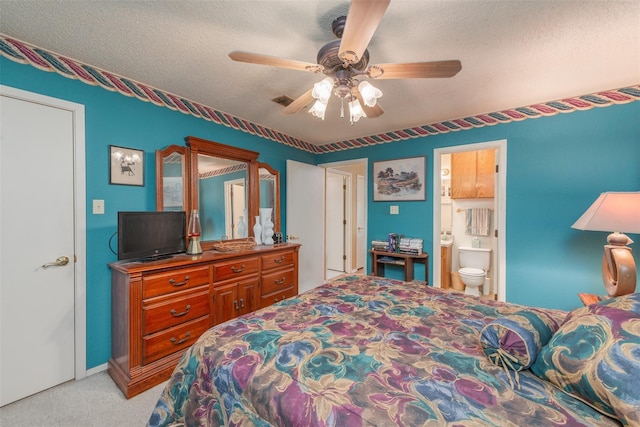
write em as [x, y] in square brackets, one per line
[151, 235]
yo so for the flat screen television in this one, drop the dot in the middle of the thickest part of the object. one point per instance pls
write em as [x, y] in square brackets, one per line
[151, 235]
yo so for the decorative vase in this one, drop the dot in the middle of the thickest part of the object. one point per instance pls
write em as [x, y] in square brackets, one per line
[267, 226]
[242, 228]
[257, 231]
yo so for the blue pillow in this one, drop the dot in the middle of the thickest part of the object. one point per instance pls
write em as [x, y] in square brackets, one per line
[514, 341]
[595, 357]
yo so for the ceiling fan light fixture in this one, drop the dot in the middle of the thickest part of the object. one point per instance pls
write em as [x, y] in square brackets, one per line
[355, 111]
[322, 90]
[369, 93]
[318, 109]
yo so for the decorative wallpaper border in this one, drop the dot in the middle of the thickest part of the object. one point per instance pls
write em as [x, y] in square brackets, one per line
[25, 53]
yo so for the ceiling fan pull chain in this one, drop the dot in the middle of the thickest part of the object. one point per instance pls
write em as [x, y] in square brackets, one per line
[342, 109]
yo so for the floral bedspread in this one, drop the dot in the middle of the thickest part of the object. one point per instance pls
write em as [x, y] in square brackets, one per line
[361, 351]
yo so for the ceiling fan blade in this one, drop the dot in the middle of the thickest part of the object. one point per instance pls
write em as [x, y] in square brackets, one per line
[256, 58]
[371, 112]
[362, 21]
[415, 70]
[299, 103]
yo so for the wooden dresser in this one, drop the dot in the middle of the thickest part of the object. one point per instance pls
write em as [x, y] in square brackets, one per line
[160, 308]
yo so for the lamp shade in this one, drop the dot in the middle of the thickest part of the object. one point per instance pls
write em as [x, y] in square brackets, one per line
[612, 211]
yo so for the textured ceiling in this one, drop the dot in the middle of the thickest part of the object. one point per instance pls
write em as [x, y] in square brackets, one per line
[513, 53]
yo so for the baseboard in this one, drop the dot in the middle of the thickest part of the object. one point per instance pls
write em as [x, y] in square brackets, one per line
[97, 369]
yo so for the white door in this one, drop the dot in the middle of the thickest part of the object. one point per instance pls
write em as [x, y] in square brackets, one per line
[305, 220]
[361, 237]
[335, 222]
[37, 303]
[235, 206]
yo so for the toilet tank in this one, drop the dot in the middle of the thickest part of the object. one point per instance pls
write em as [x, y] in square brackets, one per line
[474, 257]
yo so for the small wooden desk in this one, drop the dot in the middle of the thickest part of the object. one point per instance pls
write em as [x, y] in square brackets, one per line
[380, 258]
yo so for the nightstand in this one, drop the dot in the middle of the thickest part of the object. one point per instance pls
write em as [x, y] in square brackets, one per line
[588, 299]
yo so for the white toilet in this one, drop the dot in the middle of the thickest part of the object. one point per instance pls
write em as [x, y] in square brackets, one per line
[474, 265]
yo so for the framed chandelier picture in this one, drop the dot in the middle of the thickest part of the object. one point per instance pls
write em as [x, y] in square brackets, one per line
[399, 179]
[126, 166]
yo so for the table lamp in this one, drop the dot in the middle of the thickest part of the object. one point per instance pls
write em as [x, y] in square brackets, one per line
[618, 213]
[193, 233]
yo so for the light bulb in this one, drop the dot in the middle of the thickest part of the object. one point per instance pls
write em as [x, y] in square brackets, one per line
[319, 109]
[322, 90]
[356, 111]
[369, 93]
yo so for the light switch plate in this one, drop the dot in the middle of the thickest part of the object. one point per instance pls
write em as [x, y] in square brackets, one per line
[394, 210]
[98, 207]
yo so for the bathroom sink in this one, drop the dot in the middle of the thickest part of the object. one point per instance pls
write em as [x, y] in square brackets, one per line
[446, 242]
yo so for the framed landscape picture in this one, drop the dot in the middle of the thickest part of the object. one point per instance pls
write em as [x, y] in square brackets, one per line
[399, 180]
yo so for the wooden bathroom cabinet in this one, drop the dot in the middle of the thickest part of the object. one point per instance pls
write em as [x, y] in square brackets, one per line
[473, 174]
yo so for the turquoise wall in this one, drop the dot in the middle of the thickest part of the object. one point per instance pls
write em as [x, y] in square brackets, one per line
[557, 166]
[113, 119]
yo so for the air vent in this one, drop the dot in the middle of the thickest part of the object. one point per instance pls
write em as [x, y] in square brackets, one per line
[283, 100]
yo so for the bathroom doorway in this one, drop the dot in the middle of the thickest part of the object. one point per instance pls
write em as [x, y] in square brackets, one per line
[449, 216]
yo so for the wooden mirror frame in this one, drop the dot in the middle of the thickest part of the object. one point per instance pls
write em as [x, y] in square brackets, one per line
[199, 146]
[196, 146]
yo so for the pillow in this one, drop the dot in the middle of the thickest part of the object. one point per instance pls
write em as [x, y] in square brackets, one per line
[595, 357]
[514, 341]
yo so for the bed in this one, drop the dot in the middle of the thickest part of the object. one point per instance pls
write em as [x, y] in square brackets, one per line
[370, 351]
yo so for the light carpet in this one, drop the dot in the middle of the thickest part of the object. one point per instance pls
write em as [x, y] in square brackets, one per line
[94, 401]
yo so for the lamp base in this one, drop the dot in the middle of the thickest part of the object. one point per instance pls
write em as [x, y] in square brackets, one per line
[194, 246]
[618, 270]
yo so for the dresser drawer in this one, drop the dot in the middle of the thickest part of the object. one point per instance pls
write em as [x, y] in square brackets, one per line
[275, 297]
[174, 280]
[236, 268]
[163, 343]
[172, 312]
[277, 281]
[279, 259]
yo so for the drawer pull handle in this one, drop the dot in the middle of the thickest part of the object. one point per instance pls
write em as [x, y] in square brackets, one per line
[183, 340]
[279, 261]
[173, 282]
[280, 282]
[238, 270]
[235, 303]
[241, 302]
[176, 314]
[276, 299]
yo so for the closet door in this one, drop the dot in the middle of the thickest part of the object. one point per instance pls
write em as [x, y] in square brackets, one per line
[37, 280]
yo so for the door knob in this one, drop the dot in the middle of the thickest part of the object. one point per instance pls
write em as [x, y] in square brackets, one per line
[59, 262]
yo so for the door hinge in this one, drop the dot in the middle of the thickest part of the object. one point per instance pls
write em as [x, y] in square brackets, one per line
[497, 168]
[344, 257]
[496, 232]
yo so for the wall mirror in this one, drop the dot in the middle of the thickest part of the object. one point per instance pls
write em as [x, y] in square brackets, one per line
[269, 192]
[223, 189]
[222, 182]
[171, 179]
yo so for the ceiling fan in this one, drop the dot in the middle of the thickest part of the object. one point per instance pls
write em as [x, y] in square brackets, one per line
[345, 62]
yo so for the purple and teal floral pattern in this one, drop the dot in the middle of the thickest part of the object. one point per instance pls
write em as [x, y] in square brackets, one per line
[595, 356]
[514, 341]
[360, 351]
